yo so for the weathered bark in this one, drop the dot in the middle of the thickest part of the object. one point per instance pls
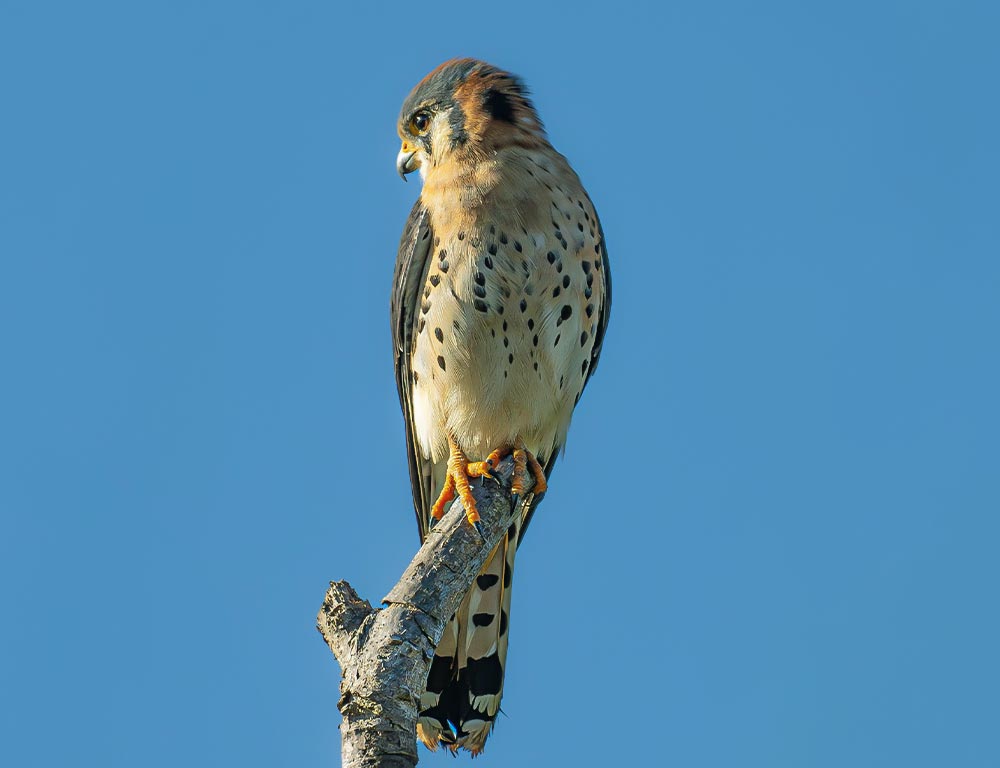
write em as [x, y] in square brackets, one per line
[385, 654]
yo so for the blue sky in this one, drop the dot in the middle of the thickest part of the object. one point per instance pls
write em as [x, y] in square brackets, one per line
[773, 538]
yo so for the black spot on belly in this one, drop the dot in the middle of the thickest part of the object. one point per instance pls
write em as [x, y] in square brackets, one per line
[517, 246]
[590, 310]
[531, 323]
[556, 291]
[479, 290]
[524, 304]
[583, 338]
[551, 257]
[503, 617]
[510, 358]
[480, 305]
[434, 280]
[480, 278]
[565, 281]
[492, 249]
[488, 262]
[439, 334]
[482, 619]
[441, 362]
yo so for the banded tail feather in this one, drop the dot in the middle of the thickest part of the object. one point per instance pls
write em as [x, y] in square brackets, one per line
[465, 682]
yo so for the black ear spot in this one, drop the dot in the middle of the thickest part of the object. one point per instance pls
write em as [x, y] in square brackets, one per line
[498, 106]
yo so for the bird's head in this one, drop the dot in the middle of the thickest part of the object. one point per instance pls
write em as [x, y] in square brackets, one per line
[464, 111]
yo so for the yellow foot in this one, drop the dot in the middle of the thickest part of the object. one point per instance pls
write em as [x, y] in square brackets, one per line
[483, 468]
[525, 466]
[528, 472]
[457, 483]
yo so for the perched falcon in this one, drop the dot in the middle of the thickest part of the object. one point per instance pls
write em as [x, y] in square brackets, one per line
[500, 301]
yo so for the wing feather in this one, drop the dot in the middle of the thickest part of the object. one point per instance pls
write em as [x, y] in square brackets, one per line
[412, 263]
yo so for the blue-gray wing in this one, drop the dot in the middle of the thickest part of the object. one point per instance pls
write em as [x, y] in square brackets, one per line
[408, 280]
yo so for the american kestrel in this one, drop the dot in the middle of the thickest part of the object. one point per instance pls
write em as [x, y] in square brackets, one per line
[500, 301]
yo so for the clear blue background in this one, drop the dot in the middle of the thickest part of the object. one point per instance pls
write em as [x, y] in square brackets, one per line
[773, 539]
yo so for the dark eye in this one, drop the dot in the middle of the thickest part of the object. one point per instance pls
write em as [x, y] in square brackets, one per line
[420, 122]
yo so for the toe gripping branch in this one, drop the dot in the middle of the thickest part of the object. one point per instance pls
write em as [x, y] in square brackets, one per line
[528, 475]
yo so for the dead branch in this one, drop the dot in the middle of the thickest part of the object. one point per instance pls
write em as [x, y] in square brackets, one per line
[385, 654]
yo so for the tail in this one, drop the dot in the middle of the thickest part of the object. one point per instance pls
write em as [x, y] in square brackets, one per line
[465, 683]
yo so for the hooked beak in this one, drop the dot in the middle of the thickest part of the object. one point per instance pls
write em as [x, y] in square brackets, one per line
[406, 160]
